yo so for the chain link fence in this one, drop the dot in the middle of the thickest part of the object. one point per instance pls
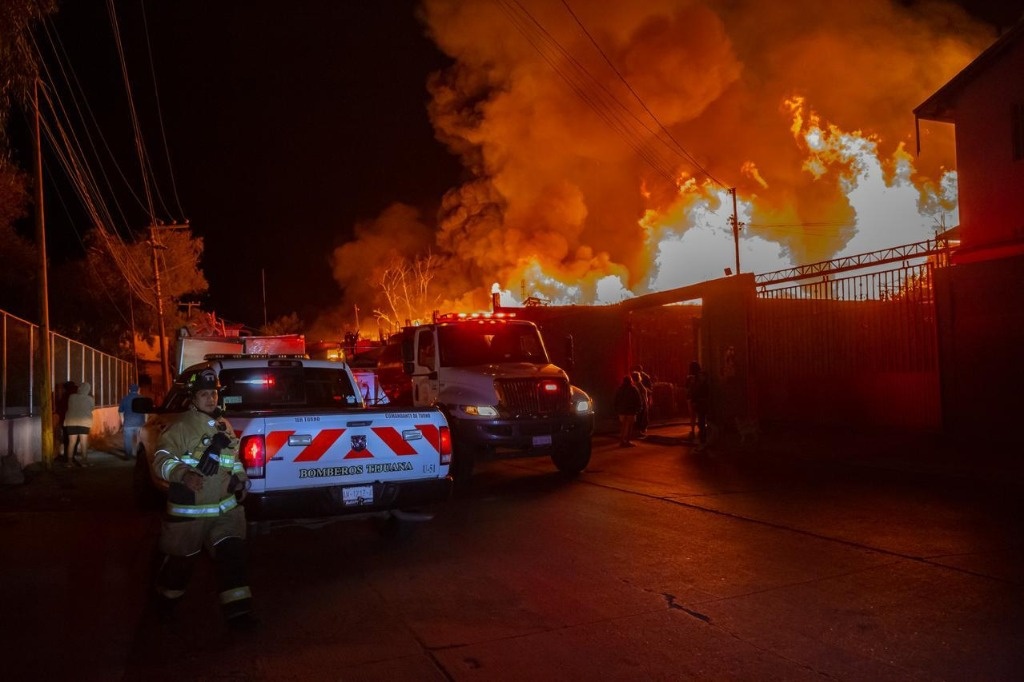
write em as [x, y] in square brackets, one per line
[71, 361]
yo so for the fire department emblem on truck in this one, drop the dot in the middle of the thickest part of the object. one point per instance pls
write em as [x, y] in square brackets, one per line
[358, 443]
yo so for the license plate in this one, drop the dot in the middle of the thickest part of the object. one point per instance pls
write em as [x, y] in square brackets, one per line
[539, 441]
[357, 495]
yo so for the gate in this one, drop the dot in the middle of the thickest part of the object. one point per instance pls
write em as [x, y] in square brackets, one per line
[850, 341]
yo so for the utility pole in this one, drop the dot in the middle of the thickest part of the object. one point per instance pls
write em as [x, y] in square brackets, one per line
[154, 245]
[735, 229]
[263, 280]
[45, 352]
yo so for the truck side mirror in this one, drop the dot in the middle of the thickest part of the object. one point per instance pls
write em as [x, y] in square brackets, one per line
[570, 352]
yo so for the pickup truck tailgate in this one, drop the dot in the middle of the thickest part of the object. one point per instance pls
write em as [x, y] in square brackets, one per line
[351, 450]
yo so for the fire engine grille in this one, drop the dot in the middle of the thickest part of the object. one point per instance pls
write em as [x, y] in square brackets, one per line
[528, 396]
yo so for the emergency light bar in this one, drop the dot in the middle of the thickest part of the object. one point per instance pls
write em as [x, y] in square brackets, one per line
[460, 317]
[256, 356]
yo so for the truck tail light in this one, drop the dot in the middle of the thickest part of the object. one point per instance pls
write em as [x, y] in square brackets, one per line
[445, 448]
[254, 455]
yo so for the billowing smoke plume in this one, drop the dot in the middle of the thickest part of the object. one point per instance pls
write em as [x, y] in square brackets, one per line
[602, 138]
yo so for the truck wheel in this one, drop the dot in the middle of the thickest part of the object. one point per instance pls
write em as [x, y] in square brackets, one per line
[573, 459]
[147, 497]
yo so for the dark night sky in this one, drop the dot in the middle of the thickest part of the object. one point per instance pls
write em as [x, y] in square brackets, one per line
[285, 128]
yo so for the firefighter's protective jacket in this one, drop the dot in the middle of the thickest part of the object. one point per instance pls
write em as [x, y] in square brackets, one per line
[179, 450]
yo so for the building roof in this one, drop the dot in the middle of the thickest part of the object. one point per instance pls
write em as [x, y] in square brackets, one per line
[941, 106]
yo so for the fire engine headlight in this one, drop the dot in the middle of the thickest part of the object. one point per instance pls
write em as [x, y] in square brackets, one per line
[480, 410]
[584, 405]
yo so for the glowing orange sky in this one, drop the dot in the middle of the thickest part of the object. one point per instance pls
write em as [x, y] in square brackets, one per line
[573, 187]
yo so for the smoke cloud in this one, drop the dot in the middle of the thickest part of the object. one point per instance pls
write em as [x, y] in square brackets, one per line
[600, 139]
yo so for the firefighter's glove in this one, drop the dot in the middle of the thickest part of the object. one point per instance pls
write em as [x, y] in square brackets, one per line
[239, 486]
[209, 463]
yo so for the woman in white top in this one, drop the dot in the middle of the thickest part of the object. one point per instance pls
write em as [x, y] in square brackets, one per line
[78, 423]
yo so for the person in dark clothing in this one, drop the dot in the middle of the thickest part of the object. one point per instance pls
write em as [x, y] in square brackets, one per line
[642, 380]
[698, 393]
[60, 408]
[627, 403]
[131, 421]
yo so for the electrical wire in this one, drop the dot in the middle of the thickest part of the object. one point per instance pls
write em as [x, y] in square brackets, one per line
[682, 150]
[596, 95]
[139, 147]
[77, 93]
[159, 109]
[71, 156]
[589, 89]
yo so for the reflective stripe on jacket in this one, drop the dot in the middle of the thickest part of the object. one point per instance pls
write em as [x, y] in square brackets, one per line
[201, 511]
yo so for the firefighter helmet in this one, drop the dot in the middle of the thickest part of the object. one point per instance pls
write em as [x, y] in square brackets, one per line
[202, 380]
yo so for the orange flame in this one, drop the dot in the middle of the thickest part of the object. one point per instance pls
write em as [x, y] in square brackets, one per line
[600, 175]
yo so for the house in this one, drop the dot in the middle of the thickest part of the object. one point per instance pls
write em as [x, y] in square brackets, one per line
[985, 101]
[980, 297]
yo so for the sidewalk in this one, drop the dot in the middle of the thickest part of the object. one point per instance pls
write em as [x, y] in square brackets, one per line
[896, 449]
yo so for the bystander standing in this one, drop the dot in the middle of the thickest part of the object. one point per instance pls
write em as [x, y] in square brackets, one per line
[627, 406]
[131, 421]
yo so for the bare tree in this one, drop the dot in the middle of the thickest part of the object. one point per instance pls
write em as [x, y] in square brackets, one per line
[404, 285]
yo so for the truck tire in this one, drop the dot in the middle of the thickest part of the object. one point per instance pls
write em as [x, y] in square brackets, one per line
[572, 459]
[147, 497]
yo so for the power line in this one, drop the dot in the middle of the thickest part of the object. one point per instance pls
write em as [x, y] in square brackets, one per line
[159, 109]
[588, 88]
[139, 147]
[640, 100]
[596, 95]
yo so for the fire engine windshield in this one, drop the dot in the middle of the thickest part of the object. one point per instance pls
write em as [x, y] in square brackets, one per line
[262, 388]
[488, 342]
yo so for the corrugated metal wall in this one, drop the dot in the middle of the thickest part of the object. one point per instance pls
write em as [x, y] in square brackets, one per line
[855, 349]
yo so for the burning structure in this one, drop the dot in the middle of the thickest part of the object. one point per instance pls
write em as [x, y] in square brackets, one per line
[601, 142]
[618, 150]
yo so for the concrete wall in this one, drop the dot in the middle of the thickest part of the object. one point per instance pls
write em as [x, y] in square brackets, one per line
[21, 435]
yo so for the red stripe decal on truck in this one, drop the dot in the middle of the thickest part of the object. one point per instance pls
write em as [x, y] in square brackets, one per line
[393, 439]
[429, 432]
[323, 440]
[275, 441]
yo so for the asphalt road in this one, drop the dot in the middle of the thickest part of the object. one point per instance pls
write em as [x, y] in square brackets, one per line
[812, 558]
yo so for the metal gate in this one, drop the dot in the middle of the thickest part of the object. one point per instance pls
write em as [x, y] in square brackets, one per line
[850, 341]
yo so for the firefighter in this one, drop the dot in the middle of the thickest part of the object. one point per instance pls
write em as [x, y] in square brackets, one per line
[197, 456]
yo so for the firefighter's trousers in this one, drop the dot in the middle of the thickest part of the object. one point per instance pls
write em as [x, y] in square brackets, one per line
[181, 541]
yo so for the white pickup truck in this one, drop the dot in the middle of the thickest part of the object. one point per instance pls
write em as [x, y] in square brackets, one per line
[310, 446]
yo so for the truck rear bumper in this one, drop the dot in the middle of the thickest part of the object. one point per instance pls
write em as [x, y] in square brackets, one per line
[500, 439]
[329, 501]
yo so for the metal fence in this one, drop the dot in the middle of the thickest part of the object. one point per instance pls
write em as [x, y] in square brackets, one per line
[70, 360]
[857, 348]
